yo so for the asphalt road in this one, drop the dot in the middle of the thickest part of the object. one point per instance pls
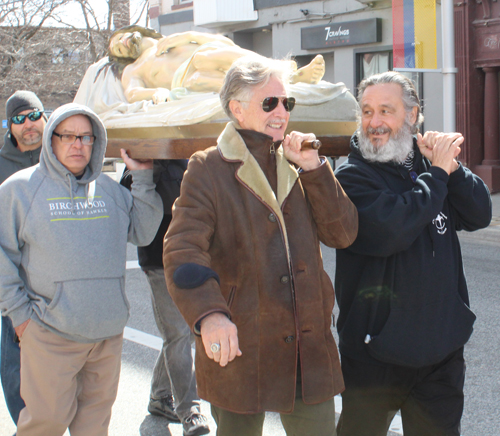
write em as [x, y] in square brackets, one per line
[482, 413]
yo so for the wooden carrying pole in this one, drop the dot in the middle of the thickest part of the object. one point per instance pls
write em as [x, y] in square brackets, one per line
[183, 148]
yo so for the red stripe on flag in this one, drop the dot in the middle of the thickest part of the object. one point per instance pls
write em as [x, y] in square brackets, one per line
[398, 33]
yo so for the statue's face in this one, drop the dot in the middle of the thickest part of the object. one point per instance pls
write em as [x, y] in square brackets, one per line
[126, 45]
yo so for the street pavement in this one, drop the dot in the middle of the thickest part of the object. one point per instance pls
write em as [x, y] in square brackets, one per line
[140, 349]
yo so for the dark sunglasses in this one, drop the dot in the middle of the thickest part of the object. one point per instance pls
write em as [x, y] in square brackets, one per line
[32, 116]
[271, 103]
[71, 139]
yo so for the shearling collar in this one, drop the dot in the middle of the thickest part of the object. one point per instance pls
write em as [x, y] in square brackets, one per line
[232, 148]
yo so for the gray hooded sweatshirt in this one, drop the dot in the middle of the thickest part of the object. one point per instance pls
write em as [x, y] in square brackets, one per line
[63, 240]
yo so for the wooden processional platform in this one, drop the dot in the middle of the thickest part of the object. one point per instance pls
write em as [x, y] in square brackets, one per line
[180, 142]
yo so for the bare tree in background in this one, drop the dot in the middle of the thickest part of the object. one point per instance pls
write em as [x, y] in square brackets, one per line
[43, 49]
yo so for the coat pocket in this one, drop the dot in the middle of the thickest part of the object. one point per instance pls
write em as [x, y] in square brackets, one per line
[424, 336]
[230, 299]
[92, 309]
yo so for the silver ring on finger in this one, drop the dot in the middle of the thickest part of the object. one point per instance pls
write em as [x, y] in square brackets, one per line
[215, 347]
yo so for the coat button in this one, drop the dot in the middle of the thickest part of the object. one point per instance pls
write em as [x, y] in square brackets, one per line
[289, 339]
[272, 217]
[284, 279]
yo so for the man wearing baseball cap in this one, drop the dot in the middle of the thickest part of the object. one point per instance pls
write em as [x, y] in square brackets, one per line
[21, 149]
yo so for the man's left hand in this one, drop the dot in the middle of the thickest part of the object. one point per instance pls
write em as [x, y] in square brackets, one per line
[292, 148]
[136, 164]
[437, 146]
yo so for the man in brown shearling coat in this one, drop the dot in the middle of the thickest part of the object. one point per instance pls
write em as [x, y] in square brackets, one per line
[243, 262]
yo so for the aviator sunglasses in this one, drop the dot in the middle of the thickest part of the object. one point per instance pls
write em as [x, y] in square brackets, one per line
[271, 103]
[32, 116]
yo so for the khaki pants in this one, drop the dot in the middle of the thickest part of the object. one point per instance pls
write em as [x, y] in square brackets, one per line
[67, 384]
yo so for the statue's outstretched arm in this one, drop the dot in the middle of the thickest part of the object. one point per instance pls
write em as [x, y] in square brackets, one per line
[192, 37]
[135, 89]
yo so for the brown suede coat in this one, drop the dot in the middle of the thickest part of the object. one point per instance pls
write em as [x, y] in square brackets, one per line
[266, 250]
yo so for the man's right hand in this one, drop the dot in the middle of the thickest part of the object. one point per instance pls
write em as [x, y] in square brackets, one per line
[216, 328]
[21, 328]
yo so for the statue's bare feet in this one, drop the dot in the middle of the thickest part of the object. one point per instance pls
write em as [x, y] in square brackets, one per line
[312, 72]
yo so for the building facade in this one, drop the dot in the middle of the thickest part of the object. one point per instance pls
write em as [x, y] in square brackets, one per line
[355, 38]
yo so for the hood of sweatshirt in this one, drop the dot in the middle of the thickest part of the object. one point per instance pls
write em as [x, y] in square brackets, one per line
[48, 160]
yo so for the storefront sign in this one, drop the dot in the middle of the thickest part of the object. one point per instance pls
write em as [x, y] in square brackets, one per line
[341, 34]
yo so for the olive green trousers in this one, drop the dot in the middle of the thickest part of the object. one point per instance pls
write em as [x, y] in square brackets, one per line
[305, 420]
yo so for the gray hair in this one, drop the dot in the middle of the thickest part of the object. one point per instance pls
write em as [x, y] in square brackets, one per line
[248, 73]
[410, 96]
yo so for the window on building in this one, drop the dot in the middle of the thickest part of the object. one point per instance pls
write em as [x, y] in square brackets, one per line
[181, 4]
[374, 63]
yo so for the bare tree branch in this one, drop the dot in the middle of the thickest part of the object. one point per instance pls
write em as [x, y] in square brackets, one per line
[44, 50]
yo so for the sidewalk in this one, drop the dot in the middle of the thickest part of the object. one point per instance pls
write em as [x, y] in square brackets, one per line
[495, 200]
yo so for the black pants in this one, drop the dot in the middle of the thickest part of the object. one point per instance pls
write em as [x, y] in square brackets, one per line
[431, 399]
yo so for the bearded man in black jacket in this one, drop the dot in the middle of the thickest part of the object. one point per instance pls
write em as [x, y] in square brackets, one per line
[403, 299]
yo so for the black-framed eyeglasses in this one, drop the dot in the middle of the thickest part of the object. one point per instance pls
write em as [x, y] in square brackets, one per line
[271, 103]
[32, 116]
[71, 139]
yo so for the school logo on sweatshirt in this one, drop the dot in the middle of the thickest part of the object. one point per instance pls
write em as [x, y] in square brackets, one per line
[440, 223]
[80, 208]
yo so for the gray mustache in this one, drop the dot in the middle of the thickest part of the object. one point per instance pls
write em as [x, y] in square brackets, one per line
[378, 130]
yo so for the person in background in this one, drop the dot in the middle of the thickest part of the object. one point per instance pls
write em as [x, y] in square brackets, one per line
[21, 149]
[404, 306]
[173, 385]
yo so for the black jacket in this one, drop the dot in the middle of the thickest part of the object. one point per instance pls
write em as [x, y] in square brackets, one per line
[400, 286]
[167, 174]
[12, 159]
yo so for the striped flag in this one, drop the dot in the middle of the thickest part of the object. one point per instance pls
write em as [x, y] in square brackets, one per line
[414, 34]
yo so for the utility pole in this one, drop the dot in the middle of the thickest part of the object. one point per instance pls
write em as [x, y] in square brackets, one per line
[449, 71]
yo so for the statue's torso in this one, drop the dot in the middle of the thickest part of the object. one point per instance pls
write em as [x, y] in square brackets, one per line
[158, 71]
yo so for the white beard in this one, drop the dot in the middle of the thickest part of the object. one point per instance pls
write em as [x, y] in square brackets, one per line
[396, 149]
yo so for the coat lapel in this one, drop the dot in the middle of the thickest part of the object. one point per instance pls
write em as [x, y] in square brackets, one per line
[232, 148]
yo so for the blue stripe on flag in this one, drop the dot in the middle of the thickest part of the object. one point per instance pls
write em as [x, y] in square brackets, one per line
[409, 30]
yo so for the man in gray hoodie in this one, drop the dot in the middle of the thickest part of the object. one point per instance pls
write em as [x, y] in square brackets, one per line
[62, 273]
[22, 144]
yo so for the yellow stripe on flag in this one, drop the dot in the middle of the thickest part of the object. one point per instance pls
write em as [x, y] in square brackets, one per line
[425, 34]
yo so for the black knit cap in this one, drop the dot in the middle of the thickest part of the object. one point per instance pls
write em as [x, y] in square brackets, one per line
[21, 101]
